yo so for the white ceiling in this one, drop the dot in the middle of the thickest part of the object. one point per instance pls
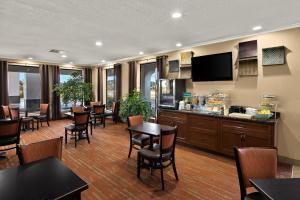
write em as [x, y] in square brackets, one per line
[28, 28]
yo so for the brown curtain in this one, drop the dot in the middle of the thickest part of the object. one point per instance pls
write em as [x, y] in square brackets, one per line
[118, 83]
[55, 97]
[132, 76]
[3, 83]
[88, 75]
[44, 72]
[88, 79]
[100, 84]
[161, 62]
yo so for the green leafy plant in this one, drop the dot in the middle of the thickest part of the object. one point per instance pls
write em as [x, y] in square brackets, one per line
[134, 104]
[74, 90]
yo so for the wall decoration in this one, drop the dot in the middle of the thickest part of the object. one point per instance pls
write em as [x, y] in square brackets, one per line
[174, 66]
[273, 56]
[186, 59]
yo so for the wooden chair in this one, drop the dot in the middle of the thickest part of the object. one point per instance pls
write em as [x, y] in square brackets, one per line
[80, 126]
[136, 139]
[43, 115]
[161, 157]
[115, 111]
[41, 150]
[77, 109]
[10, 134]
[254, 163]
[25, 121]
[5, 111]
[98, 114]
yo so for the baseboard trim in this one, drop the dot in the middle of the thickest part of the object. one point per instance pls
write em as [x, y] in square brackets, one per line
[287, 160]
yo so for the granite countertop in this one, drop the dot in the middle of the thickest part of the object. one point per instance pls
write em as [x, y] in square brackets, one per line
[196, 112]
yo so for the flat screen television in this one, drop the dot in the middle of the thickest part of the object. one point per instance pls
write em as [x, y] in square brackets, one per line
[216, 67]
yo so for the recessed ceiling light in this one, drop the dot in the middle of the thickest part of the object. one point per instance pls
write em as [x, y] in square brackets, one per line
[176, 15]
[256, 28]
[178, 45]
[141, 53]
[103, 61]
[63, 56]
[99, 44]
[30, 58]
[71, 63]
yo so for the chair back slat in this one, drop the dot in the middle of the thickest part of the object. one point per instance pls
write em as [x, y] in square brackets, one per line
[81, 118]
[255, 163]
[41, 150]
[5, 112]
[168, 141]
[99, 109]
[135, 120]
[10, 128]
[77, 109]
[44, 109]
[15, 113]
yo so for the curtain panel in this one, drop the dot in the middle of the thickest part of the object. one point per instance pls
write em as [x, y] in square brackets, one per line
[161, 63]
[55, 97]
[118, 83]
[100, 84]
[44, 72]
[3, 83]
[132, 76]
[88, 73]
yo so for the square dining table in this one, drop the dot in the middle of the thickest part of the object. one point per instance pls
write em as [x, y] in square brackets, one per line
[44, 179]
[151, 129]
[278, 189]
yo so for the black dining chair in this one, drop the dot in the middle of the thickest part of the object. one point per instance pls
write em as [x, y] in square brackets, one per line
[41, 150]
[161, 157]
[10, 134]
[136, 140]
[254, 163]
[98, 115]
[79, 127]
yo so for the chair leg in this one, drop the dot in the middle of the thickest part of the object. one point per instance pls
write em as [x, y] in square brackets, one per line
[174, 168]
[103, 122]
[87, 135]
[138, 165]
[130, 146]
[162, 176]
[91, 128]
[37, 124]
[48, 122]
[18, 151]
[32, 124]
[95, 122]
[75, 139]
[66, 136]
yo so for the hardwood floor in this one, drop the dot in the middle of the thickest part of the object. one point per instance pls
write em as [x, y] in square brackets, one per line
[103, 164]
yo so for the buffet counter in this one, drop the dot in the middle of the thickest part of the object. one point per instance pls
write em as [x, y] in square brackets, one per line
[219, 133]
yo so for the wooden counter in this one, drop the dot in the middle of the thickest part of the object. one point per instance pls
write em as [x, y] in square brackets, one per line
[218, 133]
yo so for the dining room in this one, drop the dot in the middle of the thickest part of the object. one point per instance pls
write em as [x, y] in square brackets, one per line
[147, 100]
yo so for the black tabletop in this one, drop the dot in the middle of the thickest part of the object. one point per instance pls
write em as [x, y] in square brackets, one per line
[278, 189]
[44, 179]
[150, 128]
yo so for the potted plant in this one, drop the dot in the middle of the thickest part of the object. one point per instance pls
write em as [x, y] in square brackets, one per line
[134, 104]
[74, 90]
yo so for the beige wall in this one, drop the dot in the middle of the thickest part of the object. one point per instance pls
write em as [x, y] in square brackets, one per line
[281, 80]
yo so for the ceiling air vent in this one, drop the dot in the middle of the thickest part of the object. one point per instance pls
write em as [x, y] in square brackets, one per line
[56, 51]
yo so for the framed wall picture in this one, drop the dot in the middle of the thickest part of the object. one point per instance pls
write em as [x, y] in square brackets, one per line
[174, 66]
[273, 56]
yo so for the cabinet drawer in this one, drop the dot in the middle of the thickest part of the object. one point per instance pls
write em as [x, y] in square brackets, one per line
[203, 122]
[246, 127]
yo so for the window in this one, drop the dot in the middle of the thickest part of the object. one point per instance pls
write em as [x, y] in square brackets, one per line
[110, 87]
[148, 83]
[65, 75]
[24, 87]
